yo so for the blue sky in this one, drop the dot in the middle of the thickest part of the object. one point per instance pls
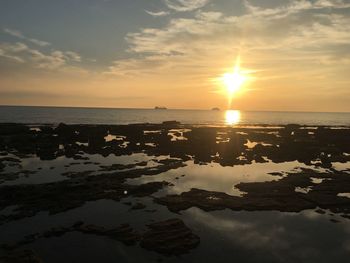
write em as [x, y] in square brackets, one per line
[138, 53]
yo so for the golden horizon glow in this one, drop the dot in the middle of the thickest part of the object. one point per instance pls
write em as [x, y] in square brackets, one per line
[232, 117]
[180, 54]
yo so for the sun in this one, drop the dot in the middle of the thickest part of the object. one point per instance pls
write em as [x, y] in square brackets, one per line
[234, 80]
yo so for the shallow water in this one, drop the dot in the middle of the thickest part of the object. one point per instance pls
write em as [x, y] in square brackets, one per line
[225, 235]
[214, 177]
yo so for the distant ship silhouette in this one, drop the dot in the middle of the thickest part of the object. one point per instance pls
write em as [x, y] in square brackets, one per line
[160, 108]
[216, 108]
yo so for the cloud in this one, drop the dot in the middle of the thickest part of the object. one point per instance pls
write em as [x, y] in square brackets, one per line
[185, 5]
[19, 35]
[9, 51]
[301, 24]
[14, 33]
[73, 56]
[157, 14]
[295, 7]
[301, 47]
[21, 53]
[39, 57]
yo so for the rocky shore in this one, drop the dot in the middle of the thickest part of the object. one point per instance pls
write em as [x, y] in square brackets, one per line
[315, 147]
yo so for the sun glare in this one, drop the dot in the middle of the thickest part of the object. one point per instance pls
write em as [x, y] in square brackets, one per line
[234, 80]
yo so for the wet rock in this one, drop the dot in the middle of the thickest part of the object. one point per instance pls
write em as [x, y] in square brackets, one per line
[77, 174]
[10, 160]
[13, 128]
[346, 216]
[170, 237]
[320, 211]
[15, 175]
[123, 233]
[68, 194]
[79, 157]
[275, 195]
[138, 206]
[151, 210]
[171, 123]
[276, 173]
[91, 229]
[287, 143]
[47, 146]
[147, 189]
[118, 166]
[24, 256]
[77, 224]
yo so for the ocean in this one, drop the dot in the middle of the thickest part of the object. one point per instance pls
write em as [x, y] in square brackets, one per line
[70, 115]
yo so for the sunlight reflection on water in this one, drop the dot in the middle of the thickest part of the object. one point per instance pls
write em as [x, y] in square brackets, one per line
[232, 117]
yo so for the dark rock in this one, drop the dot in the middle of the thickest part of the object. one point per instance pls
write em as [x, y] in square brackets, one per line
[147, 189]
[275, 195]
[124, 233]
[170, 123]
[151, 210]
[24, 256]
[320, 211]
[170, 237]
[138, 206]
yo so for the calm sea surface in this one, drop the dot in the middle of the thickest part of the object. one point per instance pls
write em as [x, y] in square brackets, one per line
[28, 114]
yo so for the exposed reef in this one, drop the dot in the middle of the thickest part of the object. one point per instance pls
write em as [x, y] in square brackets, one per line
[228, 146]
[169, 237]
[204, 144]
[278, 195]
[165, 147]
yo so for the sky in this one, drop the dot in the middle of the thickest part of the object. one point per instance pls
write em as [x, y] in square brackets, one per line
[295, 55]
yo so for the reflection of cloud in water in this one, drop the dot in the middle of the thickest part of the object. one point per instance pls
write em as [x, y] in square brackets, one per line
[252, 144]
[111, 137]
[347, 195]
[303, 190]
[48, 171]
[248, 234]
[271, 236]
[345, 167]
[214, 177]
[317, 180]
[178, 134]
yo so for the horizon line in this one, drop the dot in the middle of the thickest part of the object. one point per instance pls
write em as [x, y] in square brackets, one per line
[126, 108]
